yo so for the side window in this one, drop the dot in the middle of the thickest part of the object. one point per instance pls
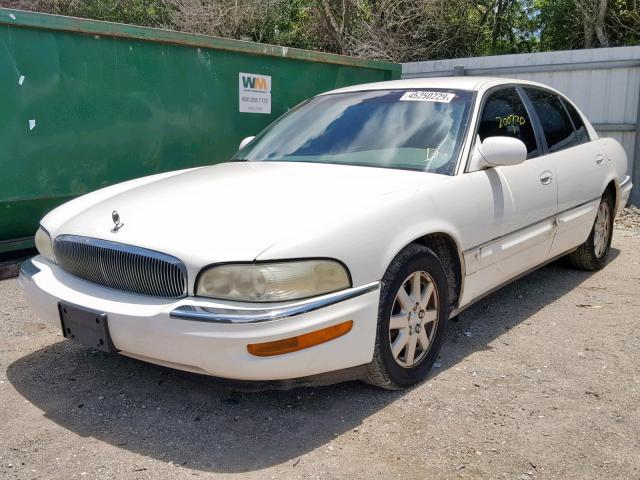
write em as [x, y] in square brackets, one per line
[504, 115]
[581, 130]
[555, 122]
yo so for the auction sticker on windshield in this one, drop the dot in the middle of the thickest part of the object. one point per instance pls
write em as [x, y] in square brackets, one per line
[255, 93]
[420, 96]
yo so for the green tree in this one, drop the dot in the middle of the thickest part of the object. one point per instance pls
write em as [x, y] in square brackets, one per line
[624, 22]
[509, 26]
[570, 24]
[559, 25]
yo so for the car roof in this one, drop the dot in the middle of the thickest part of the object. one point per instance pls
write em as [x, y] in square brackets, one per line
[456, 83]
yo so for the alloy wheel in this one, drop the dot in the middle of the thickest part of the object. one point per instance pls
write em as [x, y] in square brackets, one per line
[602, 230]
[414, 319]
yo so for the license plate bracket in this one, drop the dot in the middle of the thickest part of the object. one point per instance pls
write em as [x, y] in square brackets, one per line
[89, 327]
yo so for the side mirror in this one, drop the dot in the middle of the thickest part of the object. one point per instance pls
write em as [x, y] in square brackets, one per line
[498, 151]
[244, 142]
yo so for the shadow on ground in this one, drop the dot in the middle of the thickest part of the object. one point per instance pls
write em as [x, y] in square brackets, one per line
[192, 421]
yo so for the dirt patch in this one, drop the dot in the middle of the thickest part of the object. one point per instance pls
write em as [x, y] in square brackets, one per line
[629, 219]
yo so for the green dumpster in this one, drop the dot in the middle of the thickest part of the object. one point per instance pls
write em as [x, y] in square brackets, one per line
[87, 104]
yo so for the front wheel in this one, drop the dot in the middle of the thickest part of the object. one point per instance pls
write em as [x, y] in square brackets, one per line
[592, 254]
[411, 319]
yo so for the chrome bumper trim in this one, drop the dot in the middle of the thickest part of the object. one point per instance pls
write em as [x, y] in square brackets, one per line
[28, 269]
[199, 313]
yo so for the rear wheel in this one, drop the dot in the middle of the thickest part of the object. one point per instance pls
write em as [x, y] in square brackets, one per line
[592, 254]
[411, 319]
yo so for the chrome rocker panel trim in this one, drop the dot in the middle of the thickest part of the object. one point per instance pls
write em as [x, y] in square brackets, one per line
[252, 315]
[555, 217]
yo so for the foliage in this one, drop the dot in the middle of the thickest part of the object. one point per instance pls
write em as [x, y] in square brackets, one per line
[569, 24]
[624, 22]
[510, 27]
[396, 30]
[137, 12]
[560, 25]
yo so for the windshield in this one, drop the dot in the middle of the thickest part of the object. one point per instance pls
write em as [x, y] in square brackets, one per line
[404, 129]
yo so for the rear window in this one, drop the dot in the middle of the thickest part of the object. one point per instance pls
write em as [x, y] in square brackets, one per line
[556, 124]
[578, 123]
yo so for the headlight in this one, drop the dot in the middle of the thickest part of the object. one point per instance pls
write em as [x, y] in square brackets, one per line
[43, 244]
[273, 282]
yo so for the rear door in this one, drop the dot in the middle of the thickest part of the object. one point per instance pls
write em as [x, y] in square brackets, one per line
[578, 164]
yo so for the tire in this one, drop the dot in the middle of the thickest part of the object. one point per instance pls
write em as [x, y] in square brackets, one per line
[394, 372]
[592, 254]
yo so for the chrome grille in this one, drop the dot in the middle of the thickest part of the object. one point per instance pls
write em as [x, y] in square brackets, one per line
[121, 267]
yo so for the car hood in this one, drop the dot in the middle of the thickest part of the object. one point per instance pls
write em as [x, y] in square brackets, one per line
[234, 211]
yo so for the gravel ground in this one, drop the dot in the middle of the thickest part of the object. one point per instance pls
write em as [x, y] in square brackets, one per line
[539, 380]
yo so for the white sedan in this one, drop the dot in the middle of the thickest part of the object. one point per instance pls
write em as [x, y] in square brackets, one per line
[338, 242]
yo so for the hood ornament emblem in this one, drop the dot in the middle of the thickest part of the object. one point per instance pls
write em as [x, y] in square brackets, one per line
[115, 216]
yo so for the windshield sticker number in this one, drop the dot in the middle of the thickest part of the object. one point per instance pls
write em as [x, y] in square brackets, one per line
[419, 96]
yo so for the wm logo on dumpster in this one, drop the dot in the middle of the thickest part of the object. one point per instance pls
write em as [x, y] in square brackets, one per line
[255, 83]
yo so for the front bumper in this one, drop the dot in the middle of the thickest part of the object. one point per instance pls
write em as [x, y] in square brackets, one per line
[191, 334]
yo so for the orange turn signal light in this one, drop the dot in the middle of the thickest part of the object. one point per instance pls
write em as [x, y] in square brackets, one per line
[293, 344]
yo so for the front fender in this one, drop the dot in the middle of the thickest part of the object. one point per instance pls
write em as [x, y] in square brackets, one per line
[368, 239]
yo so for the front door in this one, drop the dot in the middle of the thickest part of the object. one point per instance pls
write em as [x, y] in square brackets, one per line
[515, 205]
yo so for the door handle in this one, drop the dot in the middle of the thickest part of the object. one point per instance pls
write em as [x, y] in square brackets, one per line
[600, 160]
[546, 177]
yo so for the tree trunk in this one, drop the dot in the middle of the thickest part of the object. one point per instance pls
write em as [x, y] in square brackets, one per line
[601, 33]
[336, 31]
[496, 24]
[588, 31]
[593, 13]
